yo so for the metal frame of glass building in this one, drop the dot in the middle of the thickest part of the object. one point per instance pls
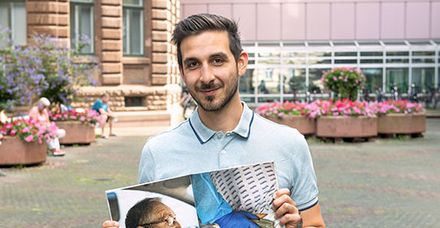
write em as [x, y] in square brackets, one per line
[278, 71]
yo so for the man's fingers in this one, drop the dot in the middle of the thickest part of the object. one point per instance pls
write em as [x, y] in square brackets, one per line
[290, 220]
[110, 224]
[277, 202]
[285, 209]
[282, 191]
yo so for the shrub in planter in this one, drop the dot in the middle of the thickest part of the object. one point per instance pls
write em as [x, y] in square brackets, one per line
[345, 119]
[400, 117]
[344, 82]
[79, 125]
[293, 114]
[22, 142]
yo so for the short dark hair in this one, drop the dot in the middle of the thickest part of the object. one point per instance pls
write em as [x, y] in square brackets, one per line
[198, 23]
[140, 212]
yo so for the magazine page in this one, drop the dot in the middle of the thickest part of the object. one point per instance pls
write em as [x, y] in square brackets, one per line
[200, 200]
[247, 189]
[167, 203]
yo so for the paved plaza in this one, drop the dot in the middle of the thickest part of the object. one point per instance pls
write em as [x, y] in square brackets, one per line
[384, 183]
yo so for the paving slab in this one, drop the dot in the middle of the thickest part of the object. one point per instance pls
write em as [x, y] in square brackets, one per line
[384, 183]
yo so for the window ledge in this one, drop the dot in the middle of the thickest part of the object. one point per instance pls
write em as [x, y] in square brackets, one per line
[136, 60]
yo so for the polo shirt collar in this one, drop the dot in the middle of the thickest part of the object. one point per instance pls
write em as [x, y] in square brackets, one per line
[204, 134]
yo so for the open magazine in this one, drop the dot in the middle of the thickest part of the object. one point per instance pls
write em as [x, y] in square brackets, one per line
[198, 200]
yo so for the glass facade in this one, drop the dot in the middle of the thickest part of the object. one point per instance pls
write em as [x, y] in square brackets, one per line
[133, 33]
[13, 16]
[281, 71]
[82, 26]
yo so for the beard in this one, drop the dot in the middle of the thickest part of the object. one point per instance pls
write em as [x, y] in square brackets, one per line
[208, 103]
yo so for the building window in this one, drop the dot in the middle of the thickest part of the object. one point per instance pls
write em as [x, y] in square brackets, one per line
[82, 26]
[423, 79]
[133, 35]
[374, 81]
[13, 16]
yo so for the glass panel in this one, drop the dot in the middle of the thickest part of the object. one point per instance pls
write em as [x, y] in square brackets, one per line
[294, 44]
[343, 43]
[247, 82]
[133, 2]
[345, 61]
[18, 24]
[136, 32]
[269, 81]
[268, 99]
[394, 43]
[424, 60]
[317, 44]
[369, 43]
[86, 27]
[4, 14]
[374, 79]
[345, 54]
[420, 42]
[423, 53]
[248, 99]
[4, 22]
[133, 33]
[397, 77]
[371, 61]
[397, 53]
[423, 79]
[294, 80]
[81, 29]
[397, 60]
[315, 76]
[372, 53]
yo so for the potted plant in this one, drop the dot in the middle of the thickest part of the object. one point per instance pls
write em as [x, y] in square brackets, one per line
[345, 119]
[292, 114]
[344, 82]
[400, 117]
[23, 142]
[79, 125]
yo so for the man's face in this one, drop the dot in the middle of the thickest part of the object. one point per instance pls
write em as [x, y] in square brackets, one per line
[105, 99]
[162, 217]
[210, 70]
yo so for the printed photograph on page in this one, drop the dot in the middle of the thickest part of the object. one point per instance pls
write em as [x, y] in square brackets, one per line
[167, 203]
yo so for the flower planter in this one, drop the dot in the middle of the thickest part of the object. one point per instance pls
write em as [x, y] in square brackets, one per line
[14, 151]
[303, 124]
[399, 123]
[346, 127]
[76, 132]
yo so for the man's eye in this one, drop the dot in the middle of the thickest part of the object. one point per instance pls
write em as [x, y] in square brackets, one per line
[191, 65]
[217, 61]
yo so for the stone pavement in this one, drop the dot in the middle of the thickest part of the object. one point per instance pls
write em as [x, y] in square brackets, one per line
[384, 183]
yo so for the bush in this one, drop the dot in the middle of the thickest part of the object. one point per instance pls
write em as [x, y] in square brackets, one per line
[41, 69]
[344, 82]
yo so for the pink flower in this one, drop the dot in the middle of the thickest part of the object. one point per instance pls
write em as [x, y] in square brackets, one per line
[29, 138]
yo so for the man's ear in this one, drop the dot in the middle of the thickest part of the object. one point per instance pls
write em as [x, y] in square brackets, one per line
[242, 63]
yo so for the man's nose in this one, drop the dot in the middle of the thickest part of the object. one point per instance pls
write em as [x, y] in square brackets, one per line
[206, 74]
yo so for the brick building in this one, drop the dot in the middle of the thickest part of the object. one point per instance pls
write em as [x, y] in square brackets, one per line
[129, 39]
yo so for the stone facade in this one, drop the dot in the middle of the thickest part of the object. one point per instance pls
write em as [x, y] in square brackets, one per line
[154, 77]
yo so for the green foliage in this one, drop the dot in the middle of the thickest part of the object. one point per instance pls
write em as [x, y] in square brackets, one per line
[344, 82]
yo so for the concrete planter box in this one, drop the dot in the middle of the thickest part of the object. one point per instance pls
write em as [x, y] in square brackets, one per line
[346, 127]
[76, 132]
[303, 124]
[14, 151]
[399, 123]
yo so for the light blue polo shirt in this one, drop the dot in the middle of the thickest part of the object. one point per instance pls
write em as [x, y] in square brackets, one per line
[193, 148]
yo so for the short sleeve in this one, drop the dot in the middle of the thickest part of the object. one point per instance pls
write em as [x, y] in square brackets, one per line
[146, 165]
[304, 190]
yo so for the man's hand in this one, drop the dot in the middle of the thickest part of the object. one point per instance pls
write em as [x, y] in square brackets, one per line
[235, 219]
[110, 224]
[285, 209]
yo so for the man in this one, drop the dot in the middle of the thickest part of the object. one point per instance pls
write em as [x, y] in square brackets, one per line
[223, 132]
[105, 114]
[150, 212]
